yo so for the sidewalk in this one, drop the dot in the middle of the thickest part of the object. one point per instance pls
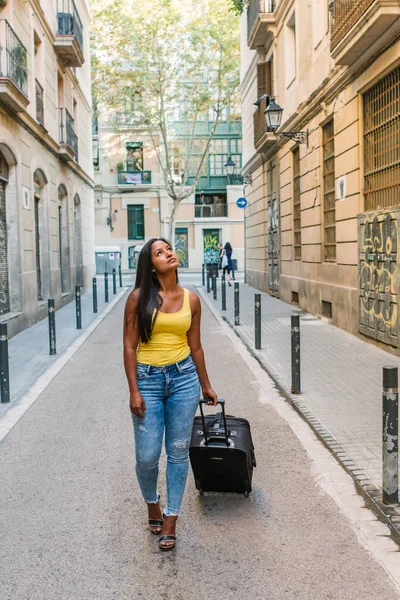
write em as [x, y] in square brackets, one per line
[341, 377]
[29, 350]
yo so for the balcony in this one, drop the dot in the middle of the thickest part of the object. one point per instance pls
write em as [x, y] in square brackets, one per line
[260, 19]
[68, 42]
[123, 119]
[210, 211]
[263, 139]
[360, 27]
[13, 69]
[39, 103]
[68, 138]
[134, 177]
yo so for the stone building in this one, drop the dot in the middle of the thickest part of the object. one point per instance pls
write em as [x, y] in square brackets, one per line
[131, 202]
[322, 222]
[46, 184]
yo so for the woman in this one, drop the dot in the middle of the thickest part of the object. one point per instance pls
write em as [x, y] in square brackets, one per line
[229, 267]
[164, 364]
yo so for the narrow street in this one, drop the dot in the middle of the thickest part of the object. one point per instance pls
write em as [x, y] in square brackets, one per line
[73, 525]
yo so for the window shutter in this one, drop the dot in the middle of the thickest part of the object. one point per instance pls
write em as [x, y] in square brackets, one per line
[261, 80]
[264, 79]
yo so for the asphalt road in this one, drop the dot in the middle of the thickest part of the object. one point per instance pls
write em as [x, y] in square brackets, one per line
[73, 525]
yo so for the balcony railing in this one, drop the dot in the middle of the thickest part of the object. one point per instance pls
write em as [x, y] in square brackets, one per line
[68, 21]
[13, 57]
[254, 9]
[346, 14]
[67, 131]
[213, 211]
[39, 103]
[134, 177]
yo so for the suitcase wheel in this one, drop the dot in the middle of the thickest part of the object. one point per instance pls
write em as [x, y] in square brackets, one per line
[247, 489]
[201, 492]
[198, 486]
[246, 494]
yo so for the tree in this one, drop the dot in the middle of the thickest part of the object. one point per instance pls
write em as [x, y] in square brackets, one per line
[179, 57]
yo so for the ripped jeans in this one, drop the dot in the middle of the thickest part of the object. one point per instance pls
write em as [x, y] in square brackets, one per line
[171, 395]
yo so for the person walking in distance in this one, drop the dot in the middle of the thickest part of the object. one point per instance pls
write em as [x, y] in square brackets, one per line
[228, 264]
[165, 368]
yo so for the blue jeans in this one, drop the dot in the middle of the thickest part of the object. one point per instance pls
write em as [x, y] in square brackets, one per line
[171, 394]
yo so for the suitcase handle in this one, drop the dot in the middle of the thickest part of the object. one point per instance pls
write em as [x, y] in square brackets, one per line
[222, 403]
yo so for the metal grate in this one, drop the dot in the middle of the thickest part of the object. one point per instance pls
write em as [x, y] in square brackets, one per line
[4, 287]
[381, 143]
[296, 204]
[346, 14]
[328, 145]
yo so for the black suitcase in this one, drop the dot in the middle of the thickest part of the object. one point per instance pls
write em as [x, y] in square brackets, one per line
[222, 453]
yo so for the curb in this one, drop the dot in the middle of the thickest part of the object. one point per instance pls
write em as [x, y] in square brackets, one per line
[389, 514]
[14, 413]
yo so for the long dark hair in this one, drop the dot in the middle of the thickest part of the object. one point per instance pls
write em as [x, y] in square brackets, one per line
[228, 247]
[148, 285]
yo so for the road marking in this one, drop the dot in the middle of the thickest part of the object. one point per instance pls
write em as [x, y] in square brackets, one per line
[329, 475]
[14, 414]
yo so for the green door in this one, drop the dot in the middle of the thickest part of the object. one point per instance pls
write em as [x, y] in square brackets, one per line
[210, 245]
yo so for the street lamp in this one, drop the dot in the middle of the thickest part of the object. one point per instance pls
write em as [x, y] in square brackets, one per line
[230, 167]
[273, 118]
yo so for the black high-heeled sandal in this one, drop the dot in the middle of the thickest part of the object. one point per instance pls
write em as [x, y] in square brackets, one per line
[167, 538]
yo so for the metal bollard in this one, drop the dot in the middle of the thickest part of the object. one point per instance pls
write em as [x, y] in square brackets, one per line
[94, 288]
[296, 387]
[4, 370]
[214, 286]
[52, 326]
[390, 406]
[257, 321]
[120, 275]
[237, 307]
[203, 278]
[208, 280]
[105, 286]
[78, 307]
[223, 292]
[114, 275]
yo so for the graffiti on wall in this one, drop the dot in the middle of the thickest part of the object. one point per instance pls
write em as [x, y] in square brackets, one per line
[378, 272]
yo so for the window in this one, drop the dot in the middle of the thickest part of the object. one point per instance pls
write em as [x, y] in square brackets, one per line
[296, 204]
[290, 50]
[328, 147]
[134, 156]
[135, 222]
[381, 143]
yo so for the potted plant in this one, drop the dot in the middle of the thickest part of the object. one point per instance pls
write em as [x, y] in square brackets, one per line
[120, 166]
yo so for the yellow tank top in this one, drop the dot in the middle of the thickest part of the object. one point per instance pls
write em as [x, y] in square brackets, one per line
[168, 342]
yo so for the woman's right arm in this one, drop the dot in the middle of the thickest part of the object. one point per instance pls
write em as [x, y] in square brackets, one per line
[131, 340]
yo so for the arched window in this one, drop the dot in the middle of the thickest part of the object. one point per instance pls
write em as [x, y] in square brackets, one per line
[78, 240]
[63, 238]
[4, 284]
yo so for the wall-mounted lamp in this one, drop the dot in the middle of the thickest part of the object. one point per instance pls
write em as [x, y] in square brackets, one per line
[273, 118]
[115, 215]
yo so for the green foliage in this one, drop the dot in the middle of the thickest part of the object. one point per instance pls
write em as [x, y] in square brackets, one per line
[238, 6]
[120, 166]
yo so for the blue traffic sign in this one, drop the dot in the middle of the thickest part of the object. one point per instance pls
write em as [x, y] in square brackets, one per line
[241, 202]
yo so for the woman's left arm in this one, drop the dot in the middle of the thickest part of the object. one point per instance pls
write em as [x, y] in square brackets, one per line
[194, 341]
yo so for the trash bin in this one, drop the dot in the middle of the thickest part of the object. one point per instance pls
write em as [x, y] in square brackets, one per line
[234, 264]
[212, 269]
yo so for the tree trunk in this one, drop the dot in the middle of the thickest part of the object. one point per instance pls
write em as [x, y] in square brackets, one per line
[172, 224]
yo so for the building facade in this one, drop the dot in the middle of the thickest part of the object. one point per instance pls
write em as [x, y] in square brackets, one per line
[322, 221]
[46, 171]
[131, 202]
